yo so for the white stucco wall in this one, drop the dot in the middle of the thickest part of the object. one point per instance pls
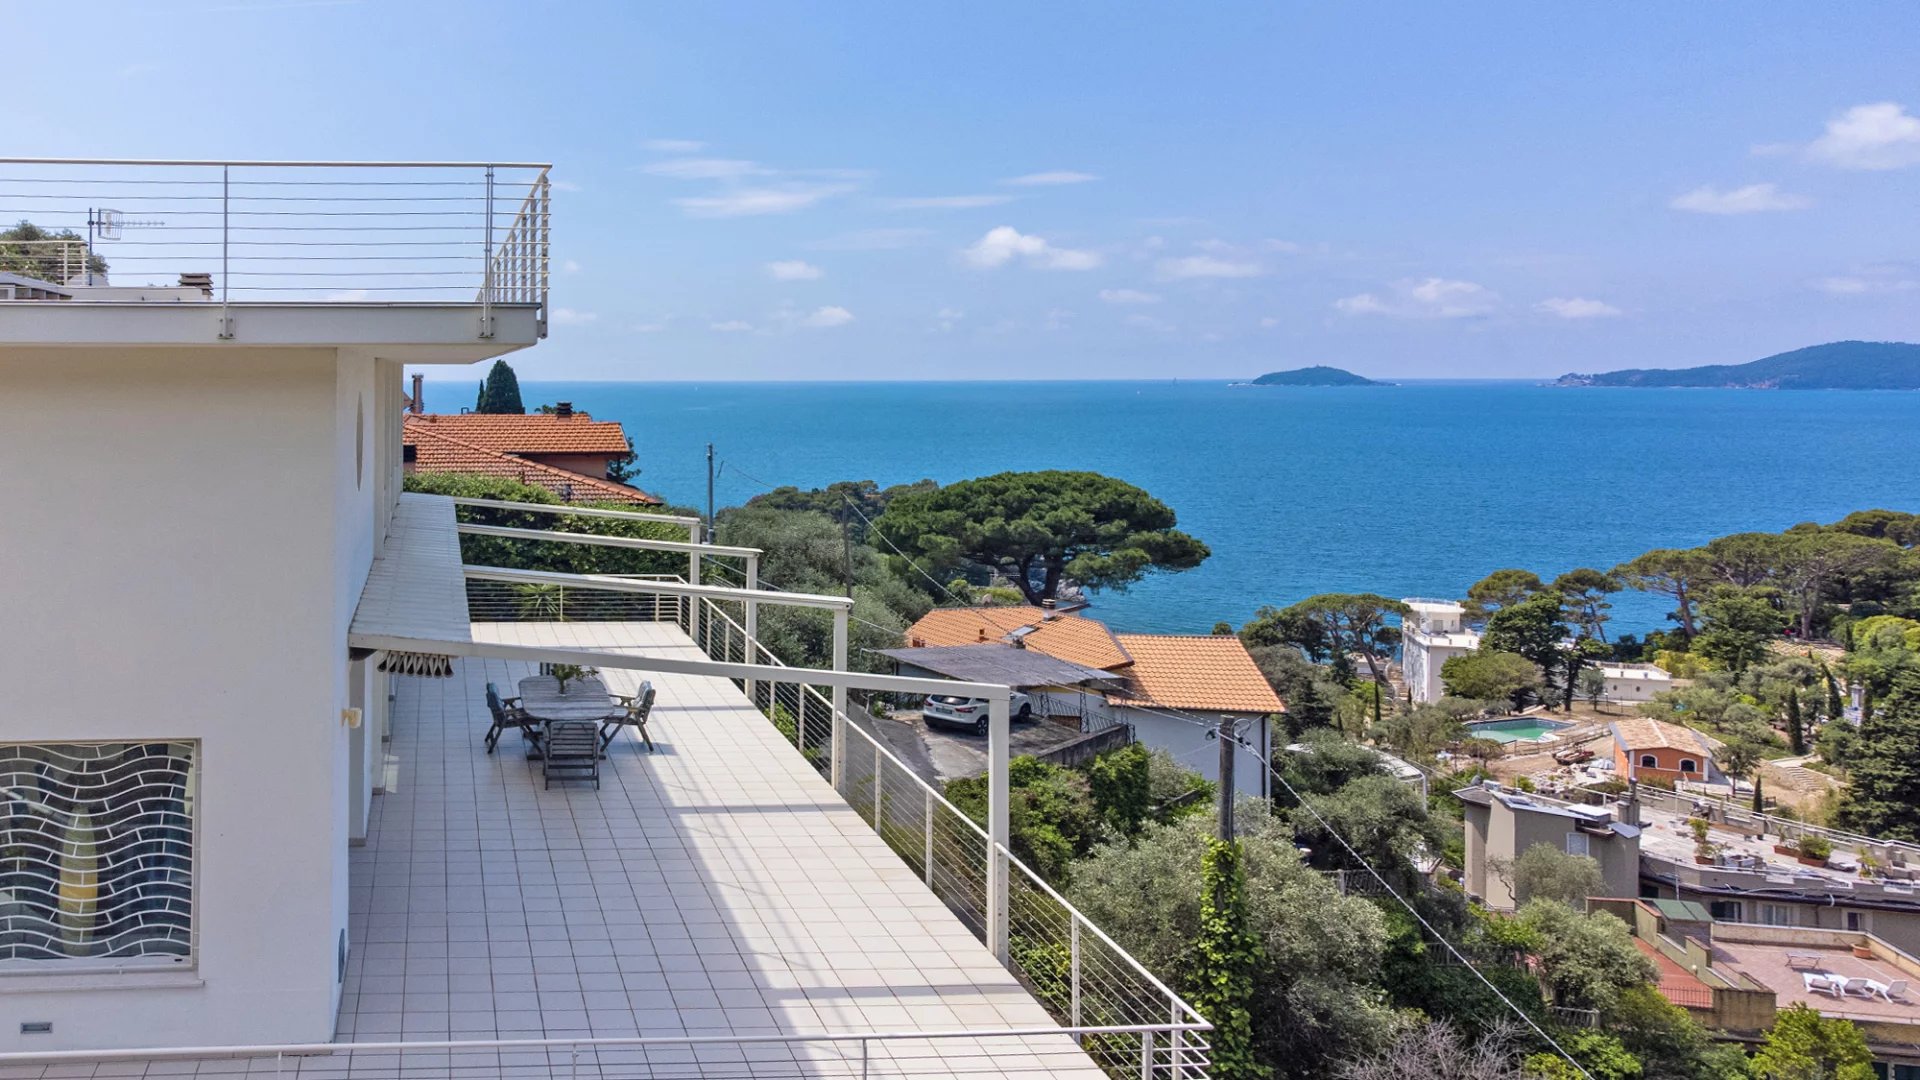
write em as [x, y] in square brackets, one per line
[182, 551]
[1187, 741]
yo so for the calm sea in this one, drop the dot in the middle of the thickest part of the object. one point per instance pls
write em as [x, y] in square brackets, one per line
[1419, 489]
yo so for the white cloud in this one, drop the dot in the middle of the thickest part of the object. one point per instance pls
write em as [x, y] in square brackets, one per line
[1207, 266]
[948, 202]
[705, 169]
[1269, 322]
[1878, 136]
[571, 317]
[947, 318]
[1148, 322]
[752, 202]
[1424, 298]
[731, 326]
[1285, 247]
[825, 317]
[793, 270]
[1577, 307]
[649, 327]
[1004, 244]
[564, 185]
[1050, 179]
[1129, 296]
[1752, 199]
[569, 267]
[674, 146]
[1866, 285]
[874, 240]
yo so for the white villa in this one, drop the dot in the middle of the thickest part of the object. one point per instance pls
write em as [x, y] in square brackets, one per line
[1433, 633]
[1634, 682]
[251, 811]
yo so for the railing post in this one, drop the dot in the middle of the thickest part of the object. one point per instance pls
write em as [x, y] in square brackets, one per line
[838, 752]
[226, 316]
[486, 284]
[878, 788]
[1176, 1045]
[753, 610]
[1146, 1055]
[799, 715]
[1073, 975]
[998, 735]
[927, 855]
[693, 578]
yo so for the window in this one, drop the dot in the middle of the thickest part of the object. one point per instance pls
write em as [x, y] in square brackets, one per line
[1648, 761]
[1688, 765]
[1857, 922]
[1725, 910]
[1576, 843]
[1777, 915]
[96, 855]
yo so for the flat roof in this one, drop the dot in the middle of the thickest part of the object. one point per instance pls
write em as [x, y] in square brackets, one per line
[412, 332]
[996, 663]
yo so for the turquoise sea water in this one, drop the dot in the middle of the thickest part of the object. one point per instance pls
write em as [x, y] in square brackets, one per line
[1419, 489]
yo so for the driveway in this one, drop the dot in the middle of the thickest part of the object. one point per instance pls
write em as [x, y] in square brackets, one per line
[942, 754]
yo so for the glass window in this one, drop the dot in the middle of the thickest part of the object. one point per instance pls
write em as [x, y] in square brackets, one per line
[1778, 915]
[1576, 843]
[1687, 764]
[1648, 761]
[96, 855]
[1725, 910]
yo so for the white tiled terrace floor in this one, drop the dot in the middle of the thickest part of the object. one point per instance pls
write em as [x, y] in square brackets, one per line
[717, 886]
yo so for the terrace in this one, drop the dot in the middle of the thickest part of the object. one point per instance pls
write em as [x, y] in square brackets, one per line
[768, 892]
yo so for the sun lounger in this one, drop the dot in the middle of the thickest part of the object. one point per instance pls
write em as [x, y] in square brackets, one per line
[1818, 982]
[1856, 986]
[1887, 991]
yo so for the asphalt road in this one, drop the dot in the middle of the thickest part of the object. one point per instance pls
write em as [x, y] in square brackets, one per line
[940, 754]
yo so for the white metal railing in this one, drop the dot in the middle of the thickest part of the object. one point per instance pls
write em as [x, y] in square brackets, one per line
[299, 230]
[1079, 973]
[895, 1055]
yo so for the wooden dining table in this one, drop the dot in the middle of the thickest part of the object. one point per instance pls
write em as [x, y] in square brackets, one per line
[586, 699]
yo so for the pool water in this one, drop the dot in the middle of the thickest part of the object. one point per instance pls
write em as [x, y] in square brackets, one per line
[1511, 731]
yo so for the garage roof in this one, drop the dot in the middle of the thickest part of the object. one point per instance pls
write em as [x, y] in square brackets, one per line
[996, 663]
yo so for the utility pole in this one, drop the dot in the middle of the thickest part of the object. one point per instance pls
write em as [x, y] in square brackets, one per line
[846, 553]
[1226, 778]
[709, 493]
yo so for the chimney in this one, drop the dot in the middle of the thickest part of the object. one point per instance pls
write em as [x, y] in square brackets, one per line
[203, 282]
[414, 406]
[983, 633]
[563, 409]
[1047, 612]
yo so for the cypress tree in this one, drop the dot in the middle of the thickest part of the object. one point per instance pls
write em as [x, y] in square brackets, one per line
[1835, 709]
[1796, 728]
[501, 392]
[1759, 800]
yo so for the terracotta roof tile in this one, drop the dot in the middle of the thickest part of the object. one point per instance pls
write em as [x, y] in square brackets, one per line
[535, 433]
[434, 451]
[1207, 672]
[1071, 638]
[1643, 733]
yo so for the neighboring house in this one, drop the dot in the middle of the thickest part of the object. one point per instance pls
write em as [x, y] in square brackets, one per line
[427, 449]
[1432, 634]
[1734, 978]
[1648, 749]
[1060, 690]
[564, 438]
[1502, 824]
[1634, 682]
[1172, 689]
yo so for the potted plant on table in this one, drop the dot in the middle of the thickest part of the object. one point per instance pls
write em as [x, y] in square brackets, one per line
[567, 673]
[1705, 851]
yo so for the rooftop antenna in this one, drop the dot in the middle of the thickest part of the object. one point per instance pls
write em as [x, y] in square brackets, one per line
[107, 224]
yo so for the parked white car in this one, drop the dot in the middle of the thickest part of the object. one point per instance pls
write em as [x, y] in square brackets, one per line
[952, 710]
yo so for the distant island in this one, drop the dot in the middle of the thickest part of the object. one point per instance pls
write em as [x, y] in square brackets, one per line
[1314, 376]
[1838, 365]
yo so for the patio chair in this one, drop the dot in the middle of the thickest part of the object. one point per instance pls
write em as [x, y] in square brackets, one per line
[572, 752]
[1856, 985]
[1818, 982]
[629, 712]
[506, 714]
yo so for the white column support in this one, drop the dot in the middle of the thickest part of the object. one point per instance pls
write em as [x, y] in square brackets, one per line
[694, 536]
[753, 617]
[999, 716]
[839, 753]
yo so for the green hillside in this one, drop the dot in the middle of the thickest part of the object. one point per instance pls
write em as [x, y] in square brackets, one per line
[1838, 365]
[1314, 376]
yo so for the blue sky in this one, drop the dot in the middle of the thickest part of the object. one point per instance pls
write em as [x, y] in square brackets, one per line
[977, 190]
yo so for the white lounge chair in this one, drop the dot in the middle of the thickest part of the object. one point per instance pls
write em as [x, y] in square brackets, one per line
[1819, 982]
[1856, 985]
[1887, 991]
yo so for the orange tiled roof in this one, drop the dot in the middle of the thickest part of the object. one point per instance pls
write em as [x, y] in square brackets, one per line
[436, 451]
[1642, 733]
[1208, 672]
[535, 433]
[1071, 638]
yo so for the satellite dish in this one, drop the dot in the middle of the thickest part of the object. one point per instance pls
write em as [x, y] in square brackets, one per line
[109, 224]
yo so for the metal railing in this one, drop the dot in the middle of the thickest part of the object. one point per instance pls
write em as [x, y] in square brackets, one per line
[896, 1055]
[1069, 964]
[450, 232]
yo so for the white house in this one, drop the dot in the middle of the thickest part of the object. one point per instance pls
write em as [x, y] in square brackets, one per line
[1634, 682]
[238, 816]
[1431, 634]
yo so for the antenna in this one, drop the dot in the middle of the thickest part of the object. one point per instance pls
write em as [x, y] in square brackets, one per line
[104, 224]
[109, 225]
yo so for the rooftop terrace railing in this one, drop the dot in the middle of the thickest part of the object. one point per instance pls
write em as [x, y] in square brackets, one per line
[288, 231]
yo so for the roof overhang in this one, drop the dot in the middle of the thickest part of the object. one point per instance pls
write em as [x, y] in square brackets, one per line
[996, 663]
[416, 333]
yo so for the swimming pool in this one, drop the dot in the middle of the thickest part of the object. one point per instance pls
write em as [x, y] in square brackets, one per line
[1525, 729]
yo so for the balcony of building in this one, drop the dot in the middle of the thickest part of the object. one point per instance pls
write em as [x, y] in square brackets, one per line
[431, 262]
